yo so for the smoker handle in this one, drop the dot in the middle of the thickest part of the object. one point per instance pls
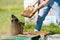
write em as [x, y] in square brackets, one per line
[35, 3]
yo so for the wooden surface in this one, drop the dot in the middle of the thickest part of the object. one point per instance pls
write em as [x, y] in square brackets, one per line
[37, 33]
[28, 12]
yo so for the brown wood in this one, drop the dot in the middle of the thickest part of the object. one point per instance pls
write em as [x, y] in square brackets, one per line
[28, 11]
[37, 33]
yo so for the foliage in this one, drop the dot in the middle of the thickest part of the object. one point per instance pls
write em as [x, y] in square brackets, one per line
[8, 7]
[54, 29]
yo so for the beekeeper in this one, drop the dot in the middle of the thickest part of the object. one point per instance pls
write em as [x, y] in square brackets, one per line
[44, 7]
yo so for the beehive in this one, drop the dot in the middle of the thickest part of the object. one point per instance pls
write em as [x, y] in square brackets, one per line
[28, 12]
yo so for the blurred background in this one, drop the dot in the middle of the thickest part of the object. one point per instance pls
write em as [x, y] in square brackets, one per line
[8, 7]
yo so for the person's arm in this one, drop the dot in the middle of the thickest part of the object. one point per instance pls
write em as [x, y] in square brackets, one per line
[43, 3]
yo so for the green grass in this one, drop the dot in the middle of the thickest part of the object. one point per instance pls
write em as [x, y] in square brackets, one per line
[5, 18]
[8, 7]
[8, 3]
[54, 29]
[29, 27]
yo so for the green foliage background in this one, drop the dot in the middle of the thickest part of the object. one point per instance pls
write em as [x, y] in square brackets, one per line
[8, 7]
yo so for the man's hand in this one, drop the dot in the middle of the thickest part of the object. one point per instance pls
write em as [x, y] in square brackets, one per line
[34, 11]
[43, 3]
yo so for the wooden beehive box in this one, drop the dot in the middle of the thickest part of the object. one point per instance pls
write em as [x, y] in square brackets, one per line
[28, 12]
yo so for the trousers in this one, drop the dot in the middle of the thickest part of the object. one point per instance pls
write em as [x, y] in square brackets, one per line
[55, 4]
